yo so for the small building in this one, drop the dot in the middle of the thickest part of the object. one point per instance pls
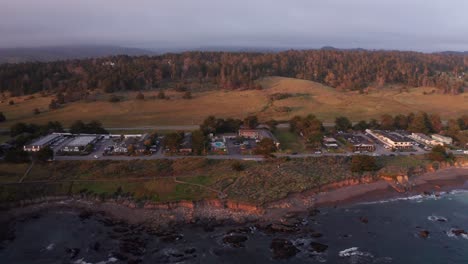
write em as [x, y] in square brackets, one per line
[41, 143]
[391, 140]
[359, 143]
[258, 134]
[330, 142]
[423, 139]
[443, 139]
[79, 143]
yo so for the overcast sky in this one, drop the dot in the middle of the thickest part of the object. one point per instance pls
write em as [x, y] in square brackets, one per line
[424, 25]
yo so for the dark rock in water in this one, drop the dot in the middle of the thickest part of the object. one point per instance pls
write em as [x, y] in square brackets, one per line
[85, 215]
[107, 222]
[242, 230]
[171, 237]
[119, 256]
[283, 248]
[424, 233]
[190, 250]
[281, 228]
[96, 246]
[314, 212]
[364, 219]
[134, 261]
[208, 228]
[236, 241]
[427, 193]
[316, 235]
[222, 251]
[459, 232]
[318, 247]
[346, 236]
[441, 220]
[133, 245]
[73, 252]
[120, 229]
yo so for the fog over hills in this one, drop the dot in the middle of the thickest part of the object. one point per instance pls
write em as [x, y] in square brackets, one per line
[54, 53]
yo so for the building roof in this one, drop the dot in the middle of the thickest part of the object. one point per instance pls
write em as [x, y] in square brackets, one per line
[442, 137]
[44, 140]
[81, 141]
[421, 135]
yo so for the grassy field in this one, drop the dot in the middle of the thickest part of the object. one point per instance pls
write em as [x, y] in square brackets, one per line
[290, 142]
[308, 97]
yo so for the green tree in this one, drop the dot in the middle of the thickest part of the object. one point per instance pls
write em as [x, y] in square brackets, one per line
[198, 142]
[342, 123]
[401, 122]
[439, 153]
[251, 121]
[420, 123]
[44, 154]
[361, 125]
[387, 122]
[172, 141]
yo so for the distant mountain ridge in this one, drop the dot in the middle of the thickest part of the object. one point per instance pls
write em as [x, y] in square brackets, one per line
[55, 53]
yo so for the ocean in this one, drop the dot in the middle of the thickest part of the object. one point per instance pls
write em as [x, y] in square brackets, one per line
[418, 229]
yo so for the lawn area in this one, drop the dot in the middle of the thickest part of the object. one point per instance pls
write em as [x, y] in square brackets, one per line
[290, 142]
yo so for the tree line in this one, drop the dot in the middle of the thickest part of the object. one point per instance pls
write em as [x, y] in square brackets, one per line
[344, 70]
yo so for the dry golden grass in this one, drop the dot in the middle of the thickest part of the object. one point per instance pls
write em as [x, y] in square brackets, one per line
[310, 97]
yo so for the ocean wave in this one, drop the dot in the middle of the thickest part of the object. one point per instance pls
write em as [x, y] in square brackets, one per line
[354, 251]
[50, 247]
[451, 234]
[407, 198]
[82, 261]
[419, 197]
[435, 218]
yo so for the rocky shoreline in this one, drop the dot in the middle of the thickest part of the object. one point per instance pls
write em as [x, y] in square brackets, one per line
[158, 215]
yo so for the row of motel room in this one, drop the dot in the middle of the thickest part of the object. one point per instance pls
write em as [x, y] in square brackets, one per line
[395, 140]
[391, 140]
[81, 142]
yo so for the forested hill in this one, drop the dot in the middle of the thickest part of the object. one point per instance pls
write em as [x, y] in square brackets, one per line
[344, 70]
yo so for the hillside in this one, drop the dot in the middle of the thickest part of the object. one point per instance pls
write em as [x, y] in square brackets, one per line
[305, 97]
[345, 70]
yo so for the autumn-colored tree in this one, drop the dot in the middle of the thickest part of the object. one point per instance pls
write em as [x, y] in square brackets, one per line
[265, 147]
[342, 123]
[387, 122]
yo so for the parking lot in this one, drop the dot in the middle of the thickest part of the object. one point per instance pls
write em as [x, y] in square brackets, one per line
[237, 147]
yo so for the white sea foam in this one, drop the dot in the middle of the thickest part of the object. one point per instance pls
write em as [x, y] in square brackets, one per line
[419, 198]
[416, 198]
[82, 261]
[50, 246]
[354, 251]
[434, 218]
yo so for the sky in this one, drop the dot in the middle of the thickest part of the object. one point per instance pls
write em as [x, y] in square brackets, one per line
[421, 25]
